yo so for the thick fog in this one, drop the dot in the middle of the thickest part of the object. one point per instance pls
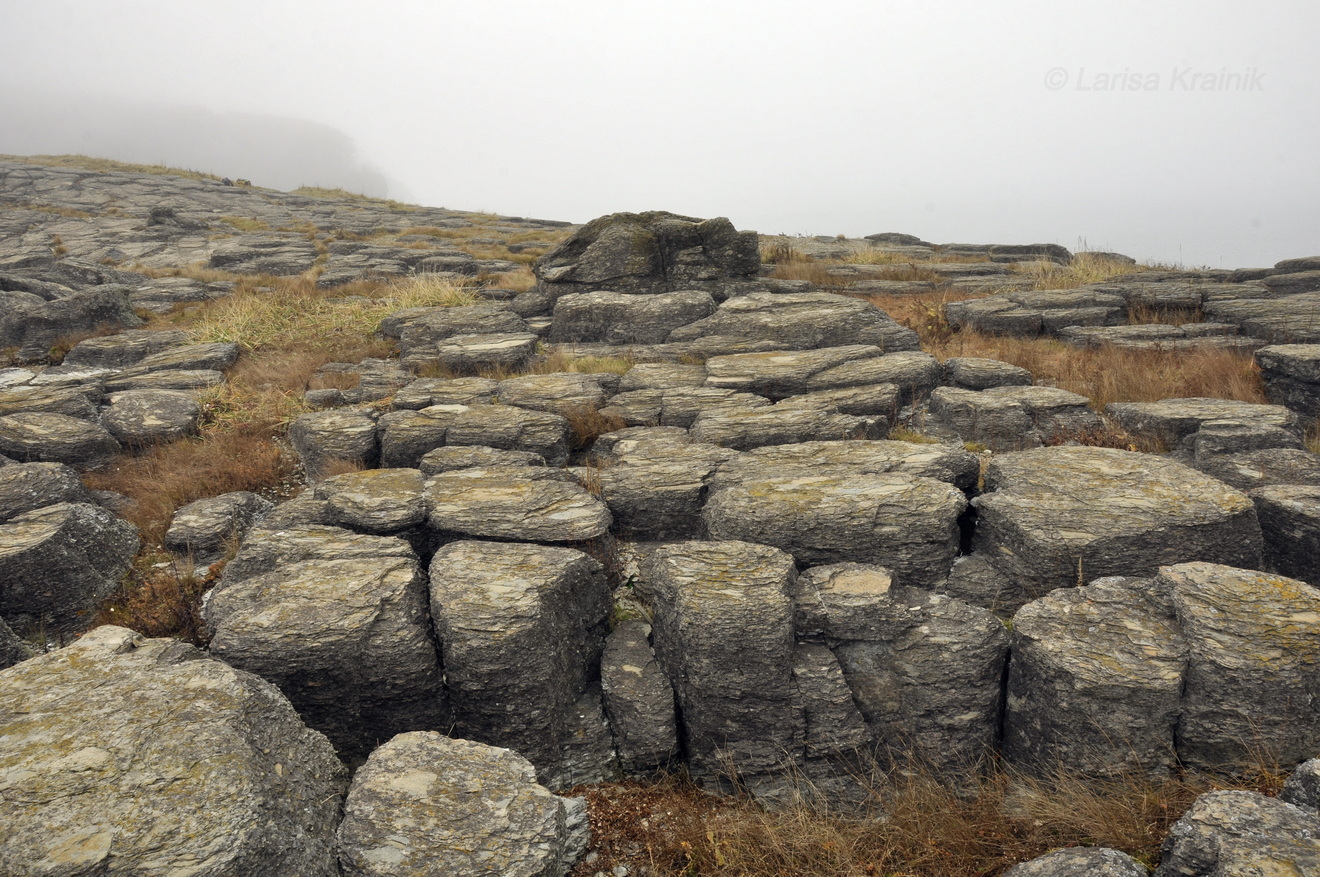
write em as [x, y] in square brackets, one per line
[1179, 132]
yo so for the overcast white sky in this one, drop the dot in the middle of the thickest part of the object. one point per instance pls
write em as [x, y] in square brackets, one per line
[1175, 131]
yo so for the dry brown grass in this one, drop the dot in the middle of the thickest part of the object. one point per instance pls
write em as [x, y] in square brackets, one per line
[586, 424]
[815, 273]
[161, 597]
[519, 281]
[912, 826]
[1106, 374]
[1084, 268]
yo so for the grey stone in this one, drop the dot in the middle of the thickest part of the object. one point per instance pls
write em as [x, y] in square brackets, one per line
[347, 640]
[747, 428]
[801, 322]
[1080, 862]
[25, 487]
[163, 379]
[420, 329]
[677, 406]
[1216, 437]
[34, 327]
[12, 649]
[78, 401]
[1302, 788]
[407, 436]
[723, 634]
[660, 497]
[1095, 684]
[1292, 376]
[426, 804]
[925, 670]
[425, 392]
[380, 501]
[138, 418]
[324, 439]
[57, 563]
[976, 373]
[778, 374]
[1290, 521]
[272, 544]
[1290, 319]
[872, 401]
[517, 502]
[662, 376]
[240, 785]
[209, 528]
[638, 699]
[832, 725]
[1013, 417]
[1241, 834]
[467, 354]
[942, 462]
[905, 522]
[1170, 421]
[562, 394]
[1249, 470]
[35, 436]
[976, 580]
[1253, 675]
[619, 318]
[216, 356]
[1062, 516]
[522, 629]
[447, 459]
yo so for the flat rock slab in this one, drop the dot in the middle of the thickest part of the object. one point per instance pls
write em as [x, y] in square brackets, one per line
[662, 376]
[746, 428]
[208, 528]
[904, 522]
[79, 400]
[1253, 675]
[1241, 834]
[1169, 421]
[659, 496]
[518, 503]
[1095, 685]
[562, 394]
[427, 804]
[802, 321]
[1292, 376]
[58, 562]
[55, 438]
[1192, 336]
[1290, 319]
[425, 392]
[678, 406]
[25, 487]
[778, 374]
[617, 318]
[348, 641]
[378, 501]
[1062, 516]
[978, 373]
[942, 462]
[324, 439]
[1012, 418]
[124, 349]
[1290, 521]
[1248, 470]
[454, 457]
[239, 784]
[1080, 862]
[137, 418]
[474, 353]
[723, 634]
[407, 436]
[522, 628]
[268, 548]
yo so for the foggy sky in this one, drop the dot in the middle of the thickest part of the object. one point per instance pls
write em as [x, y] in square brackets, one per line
[1183, 132]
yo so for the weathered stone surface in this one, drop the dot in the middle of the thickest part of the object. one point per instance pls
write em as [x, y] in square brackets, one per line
[379, 501]
[905, 522]
[1171, 420]
[407, 436]
[447, 459]
[217, 356]
[802, 321]
[426, 804]
[144, 417]
[1302, 788]
[124, 349]
[473, 353]
[976, 373]
[976, 580]
[638, 699]
[660, 497]
[832, 725]
[326, 438]
[28, 486]
[649, 252]
[1241, 834]
[1031, 313]
[425, 392]
[347, 640]
[208, 528]
[1289, 319]
[238, 784]
[34, 326]
[1080, 862]
[35, 436]
[564, 394]
[272, 545]
[1063, 516]
[12, 648]
[1219, 437]
[723, 635]
[418, 328]
[1253, 675]
[518, 502]
[1014, 417]
[747, 428]
[1290, 521]
[618, 318]
[1249, 470]
[662, 376]
[872, 400]
[939, 461]
[778, 374]
[924, 669]
[1158, 336]
[1292, 376]
[370, 380]
[79, 400]
[137, 378]
[57, 563]
[677, 406]
[522, 628]
[1095, 684]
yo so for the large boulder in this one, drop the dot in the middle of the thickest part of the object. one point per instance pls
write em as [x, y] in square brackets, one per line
[1062, 516]
[138, 418]
[1080, 862]
[1292, 376]
[802, 321]
[348, 641]
[523, 503]
[1290, 521]
[58, 562]
[778, 374]
[379, 501]
[1241, 834]
[650, 252]
[1253, 675]
[723, 634]
[326, 439]
[1014, 417]
[209, 528]
[1095, 685]
[25, 487]
[619, 318]
[34, 326]
[522, 628]
[56, 438]
[426, 804]
[127, 756]
[407, 436]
